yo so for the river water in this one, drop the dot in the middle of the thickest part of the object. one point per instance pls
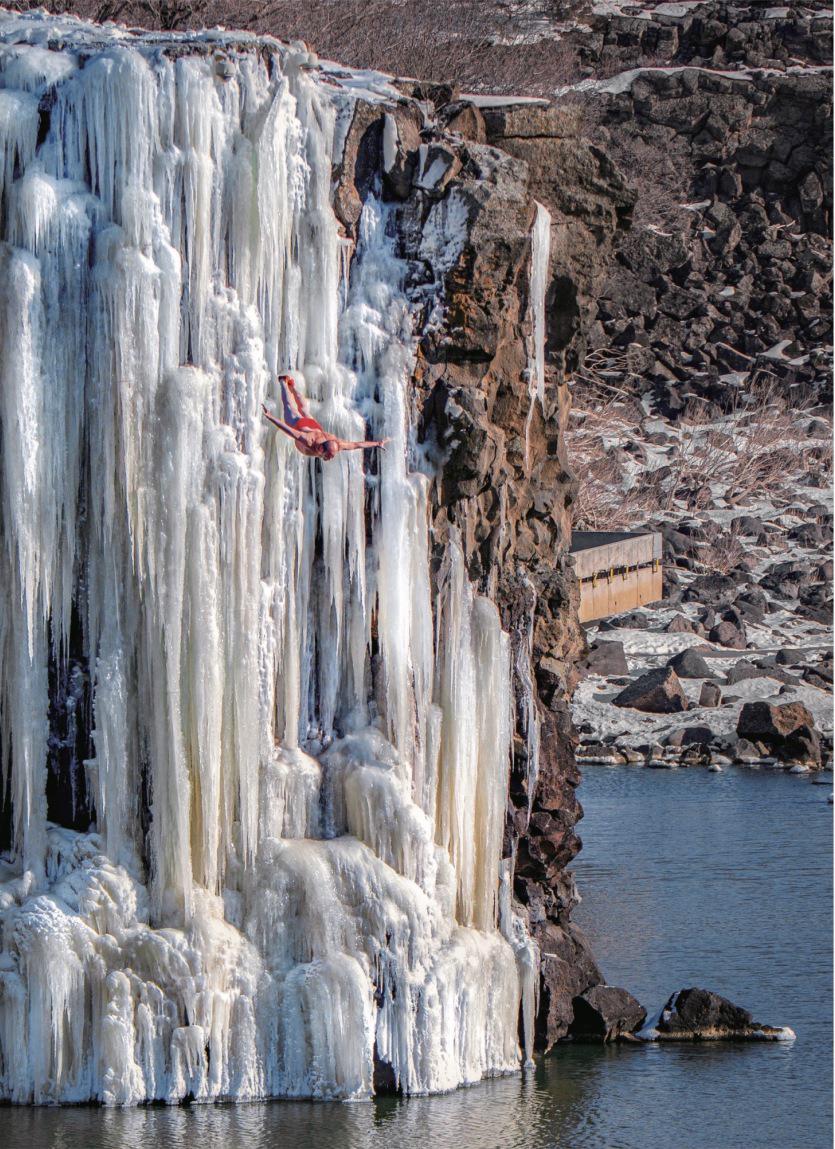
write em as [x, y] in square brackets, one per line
[689, 878]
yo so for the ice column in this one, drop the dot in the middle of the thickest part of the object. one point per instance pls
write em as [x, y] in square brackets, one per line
[540, 257]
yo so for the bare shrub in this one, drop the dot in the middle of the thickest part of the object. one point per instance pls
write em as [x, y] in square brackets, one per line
[758, 450]
[722, 551]
[658, 166]
[604, 417]
[445, 41]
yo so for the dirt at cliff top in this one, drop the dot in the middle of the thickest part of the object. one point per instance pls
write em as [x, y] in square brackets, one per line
[519, 46]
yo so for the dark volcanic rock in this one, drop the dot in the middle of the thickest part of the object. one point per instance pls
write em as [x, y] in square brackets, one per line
[680, 624]
[604, 1013]
[690, 664]
[710, 695]
[697, 736]
[701, 1015]
[728, 633]
[631, 620]
[711, 590]
[568, 969]
[657, 691]
[606, 658]
[787, 731]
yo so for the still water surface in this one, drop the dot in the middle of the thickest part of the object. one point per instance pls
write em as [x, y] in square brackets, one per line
[689, 878]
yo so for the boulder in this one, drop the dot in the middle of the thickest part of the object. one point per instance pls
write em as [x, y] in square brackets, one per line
[605, 1013]
[689, 736]
[815, 603]
[787, 730]
[751, 605]
[727, 633]
[697, 736]
[701, 1015]
[680, 624]
[747, 525]
[744, 669]
[606, 658]
[631, 620]
[690, 664]
[787, 578]
[819, 676]
[746, 751]
[710, 695]
[600, 753]
[711, 589]
[568, 969]
[656, 692]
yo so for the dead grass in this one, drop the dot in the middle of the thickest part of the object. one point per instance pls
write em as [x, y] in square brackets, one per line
[443, 41]
[758, 450]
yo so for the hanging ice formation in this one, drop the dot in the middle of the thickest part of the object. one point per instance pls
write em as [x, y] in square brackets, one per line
[540, 256]
[292, 866]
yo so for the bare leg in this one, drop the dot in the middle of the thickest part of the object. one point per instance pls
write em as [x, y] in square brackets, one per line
[290, 416]
[301, 404]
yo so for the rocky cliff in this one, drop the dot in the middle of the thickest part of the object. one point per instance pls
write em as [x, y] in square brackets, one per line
[503, 479]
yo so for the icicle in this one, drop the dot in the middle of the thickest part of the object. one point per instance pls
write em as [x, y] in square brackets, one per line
[527, 957]
[295, 849]
[540, 259]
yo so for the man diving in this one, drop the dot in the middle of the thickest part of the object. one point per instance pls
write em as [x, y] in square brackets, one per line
[309, 435]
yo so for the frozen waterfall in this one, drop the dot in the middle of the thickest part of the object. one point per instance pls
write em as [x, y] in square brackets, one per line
[287, 846]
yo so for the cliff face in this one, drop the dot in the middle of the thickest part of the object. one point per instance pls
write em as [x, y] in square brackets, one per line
[503, 478]
[259, 712]
[731, 253]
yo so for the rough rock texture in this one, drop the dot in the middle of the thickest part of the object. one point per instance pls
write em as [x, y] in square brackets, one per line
[503, 482]
[713, 33]
[605, 1013]
[788, 731]
[690, 664]
[701, 1015]
[605, 658]
[657, 691]
[710, 290]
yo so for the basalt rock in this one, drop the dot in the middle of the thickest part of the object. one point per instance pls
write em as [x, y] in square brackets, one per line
[787, 731]
[657, 692]
[701, 1015]
[710, 695]
[504, 484]
[606, 658]
[690, 664]
[605, 1013]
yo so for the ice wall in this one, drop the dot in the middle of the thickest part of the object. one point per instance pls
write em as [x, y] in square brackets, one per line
[301, 746]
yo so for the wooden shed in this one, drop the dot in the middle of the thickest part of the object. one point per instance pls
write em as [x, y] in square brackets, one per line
[617, 570]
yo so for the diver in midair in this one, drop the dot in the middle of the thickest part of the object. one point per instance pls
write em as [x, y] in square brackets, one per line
[308, 434]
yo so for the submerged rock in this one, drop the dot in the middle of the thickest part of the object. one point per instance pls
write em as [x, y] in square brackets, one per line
[701, 1015]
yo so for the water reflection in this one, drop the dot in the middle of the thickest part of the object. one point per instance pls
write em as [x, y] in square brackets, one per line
[688, 878]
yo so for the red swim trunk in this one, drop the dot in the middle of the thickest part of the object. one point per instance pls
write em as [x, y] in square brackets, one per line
[305, 423]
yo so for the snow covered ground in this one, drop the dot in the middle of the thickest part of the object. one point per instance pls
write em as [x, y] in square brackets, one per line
[759, 555]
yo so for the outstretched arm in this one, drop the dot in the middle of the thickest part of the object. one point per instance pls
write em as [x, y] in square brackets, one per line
[285, 427]
[349, 445]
